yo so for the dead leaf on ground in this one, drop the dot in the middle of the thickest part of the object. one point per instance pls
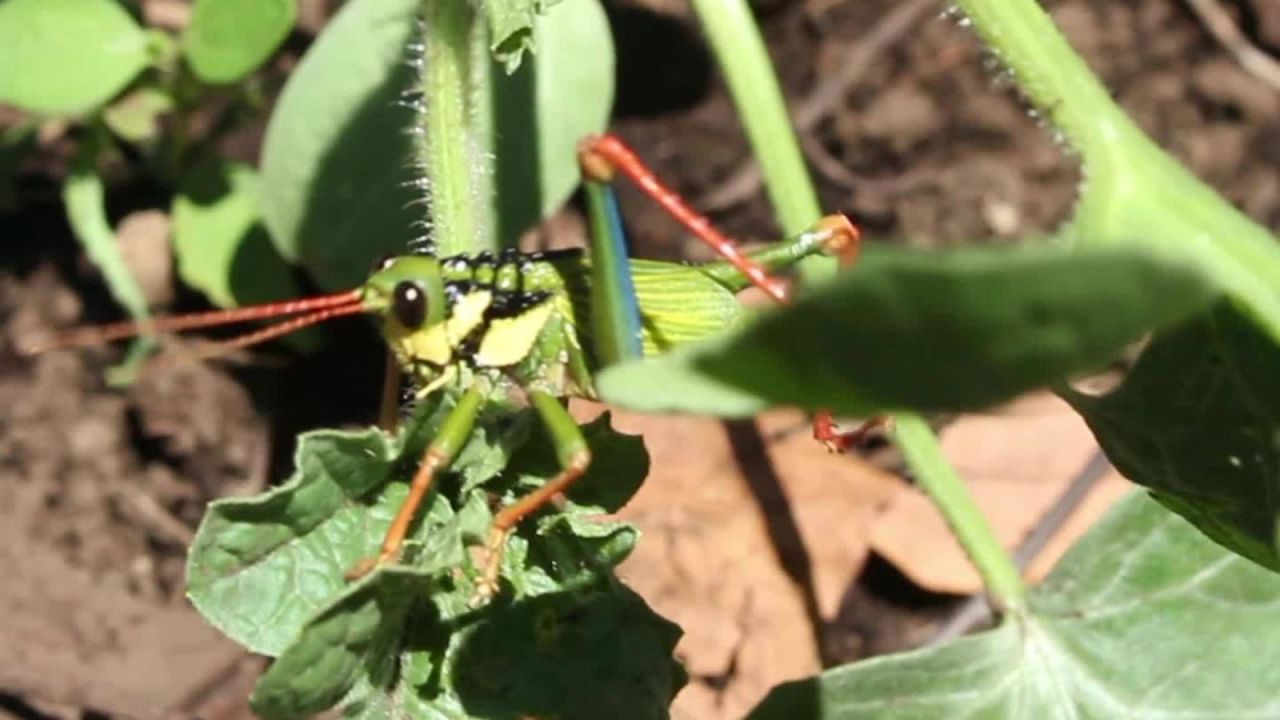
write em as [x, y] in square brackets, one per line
[707, 562]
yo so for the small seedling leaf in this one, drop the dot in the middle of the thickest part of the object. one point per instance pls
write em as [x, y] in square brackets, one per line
[135, 117]
[67, 57]
[228, 39]
[222, 245]
[907, 330]
[1144, 618]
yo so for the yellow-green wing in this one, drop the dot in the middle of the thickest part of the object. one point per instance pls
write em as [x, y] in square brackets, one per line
[679, 304]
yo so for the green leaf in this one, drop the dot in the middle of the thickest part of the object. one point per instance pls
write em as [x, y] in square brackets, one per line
[906, 330]
[334, 156]
[228, 39]
[66, 57]
[136, 116]
[1144, 618]
[355, 634]
[222, 245]
[269, 572]
[84, 196]
[1198, 421]
[260, 566]
[569, 86]
[337, 191]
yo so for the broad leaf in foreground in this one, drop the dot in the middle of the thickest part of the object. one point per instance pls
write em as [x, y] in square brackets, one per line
[1144, 618]
[907, 330]
[405, 641]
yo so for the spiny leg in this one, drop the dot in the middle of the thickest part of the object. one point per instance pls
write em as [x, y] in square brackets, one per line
[574, 456]
[452, 435]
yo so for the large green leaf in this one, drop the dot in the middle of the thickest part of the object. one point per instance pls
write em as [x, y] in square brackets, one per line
[222, 246]
[1144, 618]
[1198, 422]
[334, 157]
[338, 189]
[228, 39]
[66, 57]
[269, 572]
[559, 95]
[906, 330]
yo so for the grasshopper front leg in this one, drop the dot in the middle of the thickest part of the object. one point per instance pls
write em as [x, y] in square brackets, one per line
[453, 434]
[574, 456]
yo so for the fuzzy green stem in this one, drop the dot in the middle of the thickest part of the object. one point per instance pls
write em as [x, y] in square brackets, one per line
[940, 481]
[83, 196]
[455, 165]
[1134, 193]
[743, 59]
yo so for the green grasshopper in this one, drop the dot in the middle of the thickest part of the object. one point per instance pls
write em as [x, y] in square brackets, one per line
[487, 325]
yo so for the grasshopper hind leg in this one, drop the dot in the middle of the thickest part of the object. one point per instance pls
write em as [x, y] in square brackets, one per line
[574, 457]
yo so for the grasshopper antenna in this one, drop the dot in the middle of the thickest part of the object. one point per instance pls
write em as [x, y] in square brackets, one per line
[320, 308]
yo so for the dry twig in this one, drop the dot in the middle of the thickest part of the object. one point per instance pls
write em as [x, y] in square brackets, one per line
[1224, 30]
[828, 94]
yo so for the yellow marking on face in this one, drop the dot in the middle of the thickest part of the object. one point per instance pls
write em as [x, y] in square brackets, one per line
[510, 340]
[429, 344]
[467, 314]
[435, 344]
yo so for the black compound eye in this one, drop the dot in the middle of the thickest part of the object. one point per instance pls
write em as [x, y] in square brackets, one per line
[383, 262]
[409, 304]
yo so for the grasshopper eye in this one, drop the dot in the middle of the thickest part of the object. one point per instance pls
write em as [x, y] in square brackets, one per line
[409, 304]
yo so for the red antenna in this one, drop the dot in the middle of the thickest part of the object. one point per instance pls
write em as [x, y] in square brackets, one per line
[320, 308]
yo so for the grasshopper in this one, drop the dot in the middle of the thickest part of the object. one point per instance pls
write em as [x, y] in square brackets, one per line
[486, 325]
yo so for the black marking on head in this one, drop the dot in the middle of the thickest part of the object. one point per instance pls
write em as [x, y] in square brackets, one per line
[409, 303]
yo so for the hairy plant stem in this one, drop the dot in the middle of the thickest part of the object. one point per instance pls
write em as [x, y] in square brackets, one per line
[454, 121]
[1133, 192]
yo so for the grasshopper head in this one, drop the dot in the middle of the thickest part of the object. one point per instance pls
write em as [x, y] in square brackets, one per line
[408, 292]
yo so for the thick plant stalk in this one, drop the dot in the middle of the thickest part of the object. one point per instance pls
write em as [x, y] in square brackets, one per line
[454, 128]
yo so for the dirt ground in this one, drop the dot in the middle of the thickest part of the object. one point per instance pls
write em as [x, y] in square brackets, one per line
[777, 558]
